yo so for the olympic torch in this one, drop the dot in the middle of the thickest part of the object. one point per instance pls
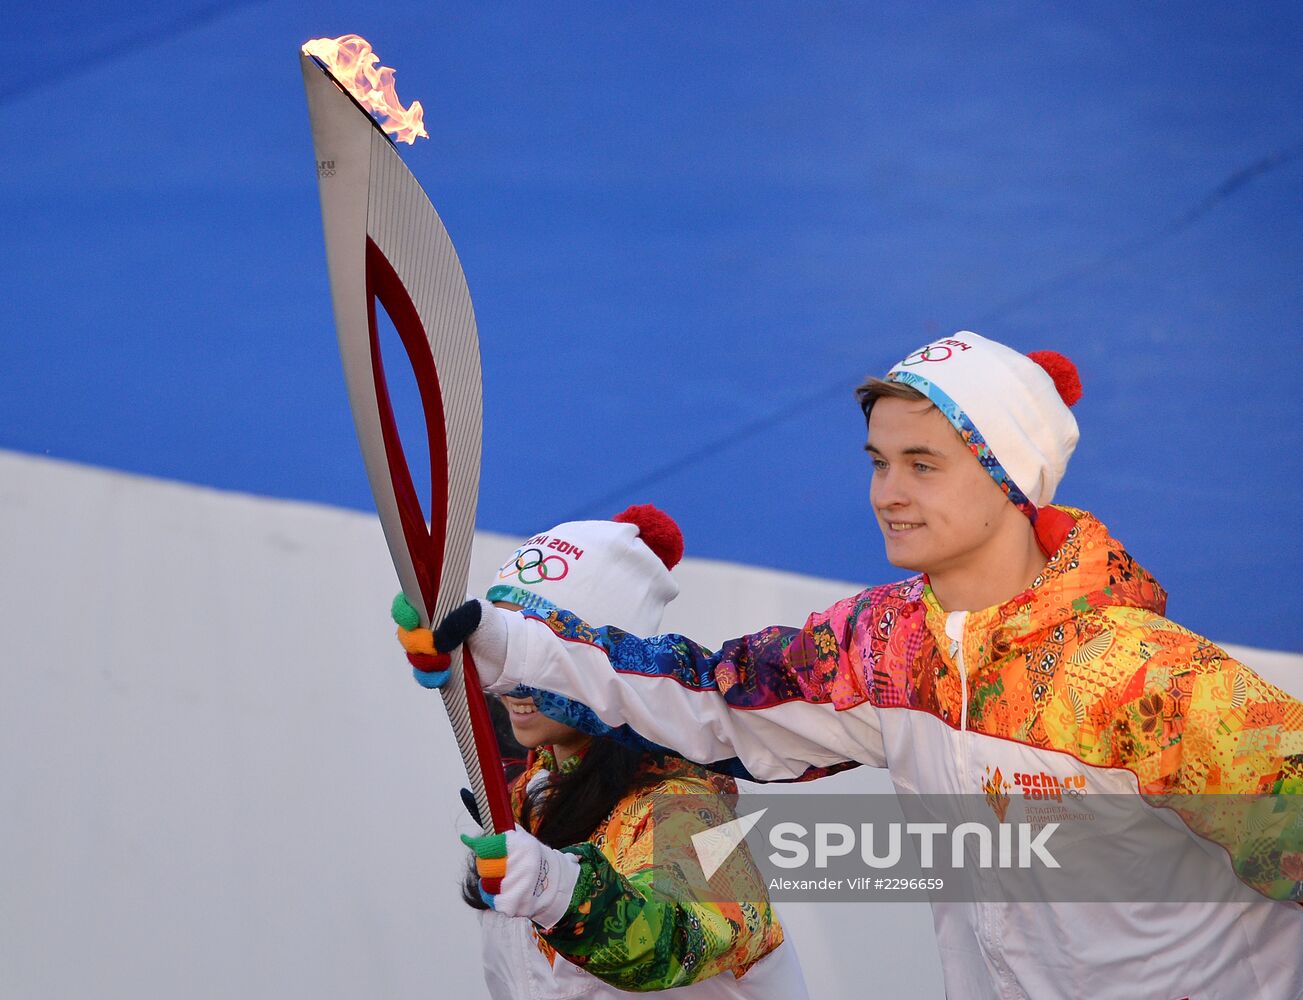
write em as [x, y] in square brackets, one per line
[386, 243]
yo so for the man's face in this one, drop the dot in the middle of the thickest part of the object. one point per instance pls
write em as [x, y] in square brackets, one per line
[936, 506]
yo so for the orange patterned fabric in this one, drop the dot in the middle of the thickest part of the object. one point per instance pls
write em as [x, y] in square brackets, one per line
[1084, 662]
[639, 920]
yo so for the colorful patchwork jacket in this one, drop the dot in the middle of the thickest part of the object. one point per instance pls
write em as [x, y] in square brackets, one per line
[643, 918]
[1078, 683]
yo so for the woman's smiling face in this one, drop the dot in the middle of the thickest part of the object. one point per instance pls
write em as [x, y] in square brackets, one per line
[533, 729]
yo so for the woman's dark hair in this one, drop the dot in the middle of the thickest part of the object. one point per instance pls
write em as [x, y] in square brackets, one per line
[512, 753]
[572, 806]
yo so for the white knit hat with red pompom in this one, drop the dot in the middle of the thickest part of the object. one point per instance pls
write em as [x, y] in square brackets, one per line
[1011, 409]
[614, 572]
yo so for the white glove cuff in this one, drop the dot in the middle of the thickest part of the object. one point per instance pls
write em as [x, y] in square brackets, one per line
[539, 882]
[488, 643]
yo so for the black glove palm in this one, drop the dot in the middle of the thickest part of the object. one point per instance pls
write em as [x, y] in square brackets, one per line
[457, 626]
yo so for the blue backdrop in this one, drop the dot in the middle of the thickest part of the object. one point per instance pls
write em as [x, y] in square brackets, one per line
[689, 230]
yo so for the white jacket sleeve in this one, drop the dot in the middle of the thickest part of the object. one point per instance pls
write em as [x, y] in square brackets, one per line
[764, 700]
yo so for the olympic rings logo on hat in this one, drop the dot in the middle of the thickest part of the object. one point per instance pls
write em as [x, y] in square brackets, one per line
[928, 353]
[934, 352]
[531, 567]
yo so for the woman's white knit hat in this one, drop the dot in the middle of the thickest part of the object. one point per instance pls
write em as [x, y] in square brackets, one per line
[614, 572]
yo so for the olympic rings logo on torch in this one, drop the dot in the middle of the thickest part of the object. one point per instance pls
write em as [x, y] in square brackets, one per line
[540, 567]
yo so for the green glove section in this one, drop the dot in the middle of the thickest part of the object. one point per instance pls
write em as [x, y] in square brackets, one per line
[488, 846]
[403, 614]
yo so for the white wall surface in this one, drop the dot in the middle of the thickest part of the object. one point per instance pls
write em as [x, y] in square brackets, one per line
[217, 778]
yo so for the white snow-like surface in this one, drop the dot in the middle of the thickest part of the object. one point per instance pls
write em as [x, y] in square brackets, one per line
[217, 778]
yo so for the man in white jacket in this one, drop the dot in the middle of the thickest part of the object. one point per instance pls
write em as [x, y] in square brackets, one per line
[1029, 645]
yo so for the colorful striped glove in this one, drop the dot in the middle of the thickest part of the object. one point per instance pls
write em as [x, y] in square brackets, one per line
[428, 651]
[430, 667]
[523, 877]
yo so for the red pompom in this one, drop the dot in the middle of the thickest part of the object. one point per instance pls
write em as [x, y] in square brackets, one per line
[657, 529]
[1064, 373]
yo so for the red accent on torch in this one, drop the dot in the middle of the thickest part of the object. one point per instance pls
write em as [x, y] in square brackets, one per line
[427, 545]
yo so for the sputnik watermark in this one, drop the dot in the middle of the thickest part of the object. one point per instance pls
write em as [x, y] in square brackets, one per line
[1058, 845]
[716, 845]
[792, 844]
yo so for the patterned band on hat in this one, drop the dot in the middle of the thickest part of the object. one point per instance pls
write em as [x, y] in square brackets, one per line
[530, 601]
[971, 435]
[519, 595]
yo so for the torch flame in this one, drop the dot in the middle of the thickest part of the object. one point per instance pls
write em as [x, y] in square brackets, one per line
[351, 61]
